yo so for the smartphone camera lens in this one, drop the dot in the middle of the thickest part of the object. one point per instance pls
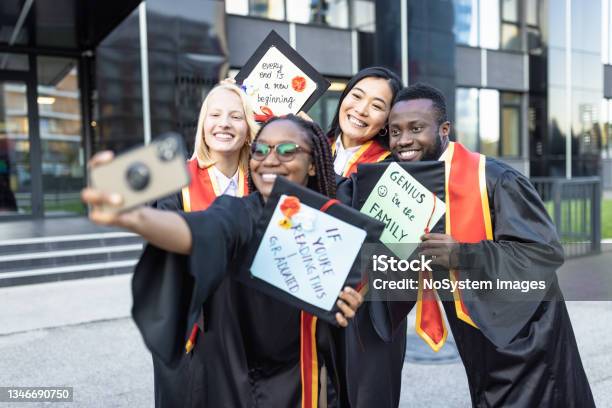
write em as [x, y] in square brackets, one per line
[167, 149]
[138, 176]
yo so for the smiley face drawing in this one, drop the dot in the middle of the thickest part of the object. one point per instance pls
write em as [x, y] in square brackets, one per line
[382, 191]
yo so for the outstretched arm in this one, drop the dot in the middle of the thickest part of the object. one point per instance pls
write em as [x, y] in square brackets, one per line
[164, 229]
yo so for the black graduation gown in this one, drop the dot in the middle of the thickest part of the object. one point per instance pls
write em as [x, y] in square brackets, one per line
[370, 356]
[524, 353]
[248, 353]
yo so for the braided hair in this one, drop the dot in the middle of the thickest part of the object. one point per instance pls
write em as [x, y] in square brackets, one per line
[324, 181]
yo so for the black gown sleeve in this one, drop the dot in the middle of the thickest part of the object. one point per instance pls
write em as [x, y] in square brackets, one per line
[173, 202]
[525, 249]
[169, 289]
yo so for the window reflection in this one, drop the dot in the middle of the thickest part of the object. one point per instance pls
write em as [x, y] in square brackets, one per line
[272, 9]
[532, 12]
[466, 22]
[496, 24]
[510, 124]
[489, 24]
[466, 121]
[60, 133]
[364, 15]
[510, 37]
[510, 11]
[489, 121]
[334, 13]
[15, 172]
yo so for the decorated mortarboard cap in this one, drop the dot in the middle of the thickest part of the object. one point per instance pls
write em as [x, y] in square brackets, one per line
[279, 81]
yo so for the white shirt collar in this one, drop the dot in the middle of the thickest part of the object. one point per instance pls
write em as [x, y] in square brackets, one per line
[343, 155]
[227, 185]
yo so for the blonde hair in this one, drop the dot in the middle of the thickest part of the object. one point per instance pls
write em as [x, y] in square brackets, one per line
[201, 151]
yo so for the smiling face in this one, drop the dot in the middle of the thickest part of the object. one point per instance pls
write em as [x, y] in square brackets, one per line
[225, 125]
[298, 169]
[414, 133]
[364, 110]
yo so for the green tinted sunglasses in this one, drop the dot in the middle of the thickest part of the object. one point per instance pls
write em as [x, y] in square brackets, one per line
[285, 151]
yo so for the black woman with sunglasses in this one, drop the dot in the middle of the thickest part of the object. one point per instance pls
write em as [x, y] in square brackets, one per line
[249, 353]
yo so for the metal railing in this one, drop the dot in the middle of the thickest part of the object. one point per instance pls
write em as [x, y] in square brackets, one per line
[575, 207]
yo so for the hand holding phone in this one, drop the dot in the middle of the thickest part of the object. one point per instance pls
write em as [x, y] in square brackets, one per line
[136, 177]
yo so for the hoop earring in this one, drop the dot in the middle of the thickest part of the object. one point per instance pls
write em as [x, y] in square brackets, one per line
[384, 133]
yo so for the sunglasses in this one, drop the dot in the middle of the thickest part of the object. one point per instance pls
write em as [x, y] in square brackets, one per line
[285, 151]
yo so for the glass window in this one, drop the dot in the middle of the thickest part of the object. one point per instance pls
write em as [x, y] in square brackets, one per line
[333, 13]
[531, 12]
[299, 12]
[466, 22]
[489, 24]
[489, 122]
[15, 171]
[534, 41]
[14, 62]
[240, 7]
[272, 9]
[59, 107]
[511, 124]
[510, 37]
[364, 15]
[466, 121]
[510, 10]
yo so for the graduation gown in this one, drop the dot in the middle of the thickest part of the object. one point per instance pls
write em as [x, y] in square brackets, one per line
[371, 350]
[517, 353]
[248, 354]
[522, 353]
[170, 382]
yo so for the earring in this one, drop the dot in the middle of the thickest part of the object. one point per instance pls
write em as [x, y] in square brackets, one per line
[383, 133]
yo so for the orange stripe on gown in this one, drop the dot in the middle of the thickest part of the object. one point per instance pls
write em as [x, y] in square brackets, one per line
[309, 360]
[467, 221]
[198, 196]
[369, 152]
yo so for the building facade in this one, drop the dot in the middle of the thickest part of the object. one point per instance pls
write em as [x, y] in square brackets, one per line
[528, 81]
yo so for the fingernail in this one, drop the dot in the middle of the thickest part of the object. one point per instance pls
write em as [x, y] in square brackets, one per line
[115, 199]
[347, 289]
[339, 303]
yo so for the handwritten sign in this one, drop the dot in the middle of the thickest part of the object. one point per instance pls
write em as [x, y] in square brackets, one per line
[307, 253]
[279, 81]
[405, 206]
[276, 86]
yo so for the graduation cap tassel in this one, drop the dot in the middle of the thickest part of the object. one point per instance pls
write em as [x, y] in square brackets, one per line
[192, 339]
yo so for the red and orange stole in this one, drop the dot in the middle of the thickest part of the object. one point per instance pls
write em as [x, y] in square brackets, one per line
[468, 220]
[204, 189]
[198, 196]
[309, 360]
[369, 152]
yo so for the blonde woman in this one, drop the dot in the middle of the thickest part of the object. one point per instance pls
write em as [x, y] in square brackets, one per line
[220, 159]
[219, 165]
